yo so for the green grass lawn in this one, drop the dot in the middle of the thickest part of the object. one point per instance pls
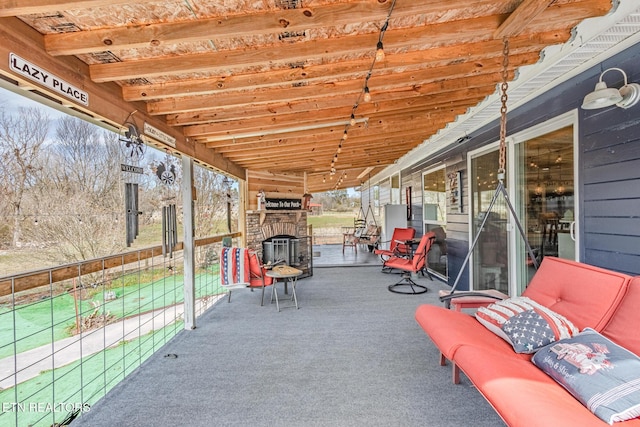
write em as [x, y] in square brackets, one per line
[332, 220]
[51, 319]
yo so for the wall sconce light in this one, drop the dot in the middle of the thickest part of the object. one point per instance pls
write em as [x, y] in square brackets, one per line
[602, 96]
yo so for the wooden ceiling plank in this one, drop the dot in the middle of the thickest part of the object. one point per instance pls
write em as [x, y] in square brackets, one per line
[215, 28]
[310, 139]
[307, 107]
[27, 7]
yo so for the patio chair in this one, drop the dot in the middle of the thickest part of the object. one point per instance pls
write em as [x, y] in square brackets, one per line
[397, 246]
[413, 265]
[240, 268]
[351, 235]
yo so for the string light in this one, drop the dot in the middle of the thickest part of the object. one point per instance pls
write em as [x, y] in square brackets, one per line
[365, 95]
[380, 51]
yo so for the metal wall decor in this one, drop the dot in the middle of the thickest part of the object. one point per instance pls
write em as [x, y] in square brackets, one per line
[454, 180]
[134, 146]
[166, 175]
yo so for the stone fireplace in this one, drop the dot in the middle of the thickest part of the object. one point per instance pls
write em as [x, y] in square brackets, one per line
[280, 235]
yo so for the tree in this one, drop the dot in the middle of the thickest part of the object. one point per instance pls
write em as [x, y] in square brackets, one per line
[22, 137]
[78, 193]
[211, 205]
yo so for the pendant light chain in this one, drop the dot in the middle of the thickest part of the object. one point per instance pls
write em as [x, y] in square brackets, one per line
[503, 110]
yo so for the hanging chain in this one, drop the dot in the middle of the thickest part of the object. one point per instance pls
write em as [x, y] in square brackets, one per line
[503, 110]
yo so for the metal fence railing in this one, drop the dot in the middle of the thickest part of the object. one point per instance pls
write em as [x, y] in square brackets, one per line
[66, 342]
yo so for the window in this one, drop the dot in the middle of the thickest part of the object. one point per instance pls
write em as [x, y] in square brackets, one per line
[434, 216]
[434, 198]
[395, 189]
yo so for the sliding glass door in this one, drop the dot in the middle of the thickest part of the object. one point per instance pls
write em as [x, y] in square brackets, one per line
[544, 175]
[490, 257]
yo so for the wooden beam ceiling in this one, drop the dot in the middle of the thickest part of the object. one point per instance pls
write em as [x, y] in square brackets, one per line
[272, 84]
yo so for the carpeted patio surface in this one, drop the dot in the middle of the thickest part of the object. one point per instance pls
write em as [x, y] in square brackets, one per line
[352, 355]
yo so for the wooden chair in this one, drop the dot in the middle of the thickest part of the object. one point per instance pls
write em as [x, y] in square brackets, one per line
[240, 268]
[351, 235]
[413, 265]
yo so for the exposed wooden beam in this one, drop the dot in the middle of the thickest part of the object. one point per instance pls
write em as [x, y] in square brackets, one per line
[343, 93]
[518, 20]
[307, 107]
[27, 7]
[413, 60]
[391, 77]
[339, 113]
[294, 120]
[467, 31]
[365, 140]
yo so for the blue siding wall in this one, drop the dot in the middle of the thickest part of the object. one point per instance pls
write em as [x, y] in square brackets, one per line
[610, 179]
[608, 167]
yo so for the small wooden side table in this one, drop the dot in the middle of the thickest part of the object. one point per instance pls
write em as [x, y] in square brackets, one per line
[288, 275]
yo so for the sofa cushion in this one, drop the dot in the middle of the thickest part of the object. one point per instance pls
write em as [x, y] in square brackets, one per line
[449, 329]
[599, 373]
[524, 323]
[522, 394]
[569, 288]
[626, 314]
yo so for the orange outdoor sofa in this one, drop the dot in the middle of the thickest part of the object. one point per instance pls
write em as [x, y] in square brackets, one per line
[520, 386]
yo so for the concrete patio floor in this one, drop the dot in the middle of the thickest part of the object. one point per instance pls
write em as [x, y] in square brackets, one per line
[333, 256]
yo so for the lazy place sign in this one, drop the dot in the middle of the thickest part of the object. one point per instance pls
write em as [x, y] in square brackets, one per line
[37, 74]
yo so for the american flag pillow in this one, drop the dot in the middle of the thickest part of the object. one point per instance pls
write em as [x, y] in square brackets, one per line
[525, 324]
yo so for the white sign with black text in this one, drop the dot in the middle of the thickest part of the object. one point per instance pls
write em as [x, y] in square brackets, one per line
[156, 133]
[37, 74]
